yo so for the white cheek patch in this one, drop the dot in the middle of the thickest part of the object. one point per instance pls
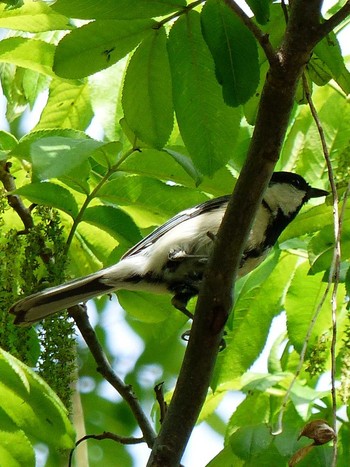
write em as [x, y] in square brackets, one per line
[285, 197]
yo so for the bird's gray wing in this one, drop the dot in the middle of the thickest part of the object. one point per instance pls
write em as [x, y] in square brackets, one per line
[182, 216]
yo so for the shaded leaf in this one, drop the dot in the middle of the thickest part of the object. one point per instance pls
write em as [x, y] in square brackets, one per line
[234, 50]
[208, 126]
[50, 194]
[261, 10]
[147, 99]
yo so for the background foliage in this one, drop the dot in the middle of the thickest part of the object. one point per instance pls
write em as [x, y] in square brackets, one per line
[148, 110]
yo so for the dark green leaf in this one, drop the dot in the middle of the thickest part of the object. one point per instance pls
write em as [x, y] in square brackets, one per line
[329, 52]
[147, 99]
[120, 9]
[50, 194]
[234, 50]
[208, 126]
[98, 45]
[261, 10]
[114, 221]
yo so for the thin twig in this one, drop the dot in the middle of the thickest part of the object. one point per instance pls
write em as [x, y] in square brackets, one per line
[178, 13]
[106, 435]
[93, 194]
[338, 17]
[163, 406]
[334, 272]
[333, 278]
[79, 314]
[259, 35]
[15, 201]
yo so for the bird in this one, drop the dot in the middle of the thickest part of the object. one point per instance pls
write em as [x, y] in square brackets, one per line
[172, 259]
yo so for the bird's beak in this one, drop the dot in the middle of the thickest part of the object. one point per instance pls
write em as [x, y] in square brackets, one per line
[316, 192]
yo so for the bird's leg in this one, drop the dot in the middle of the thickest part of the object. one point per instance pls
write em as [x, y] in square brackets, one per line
[179, 301]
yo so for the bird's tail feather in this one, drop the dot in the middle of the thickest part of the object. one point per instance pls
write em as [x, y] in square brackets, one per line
[47, 302]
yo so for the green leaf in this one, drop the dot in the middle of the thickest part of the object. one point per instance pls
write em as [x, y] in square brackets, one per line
[32, 17]
[329, 52]
[308, 222]
[253, 410]
[144, 306]
[22, 150]
[7, 141]
[321, 246]
[261, 10]
[263, 301]
[302, 301]
[33, 407]
[98, 45]
[198, 102]
[149, 195]
[122, 9]
[114, 221]
[250, 441]
[147, 99]
[28, 53]
[15, 448]
[68, 106]
[234, 50]
[226, 458]
[55, 156]
[50, 194]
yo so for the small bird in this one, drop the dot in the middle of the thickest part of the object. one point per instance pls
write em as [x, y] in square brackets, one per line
[172, 259]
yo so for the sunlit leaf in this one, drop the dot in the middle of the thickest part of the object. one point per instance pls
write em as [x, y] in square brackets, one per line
[114, 221]
[32, 17]
[98, 45]
[122, 9]
[33, 407]
[28, 53]
[68, 106]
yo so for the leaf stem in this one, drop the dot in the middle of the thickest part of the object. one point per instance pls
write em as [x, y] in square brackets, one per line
[93, 194]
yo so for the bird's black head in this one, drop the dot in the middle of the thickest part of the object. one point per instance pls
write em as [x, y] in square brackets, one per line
[298, 182]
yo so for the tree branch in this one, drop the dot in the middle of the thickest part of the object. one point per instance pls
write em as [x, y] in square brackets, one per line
[15, 201]
[334, 20]
[79, 314]
[215, 299]
[259, 35]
